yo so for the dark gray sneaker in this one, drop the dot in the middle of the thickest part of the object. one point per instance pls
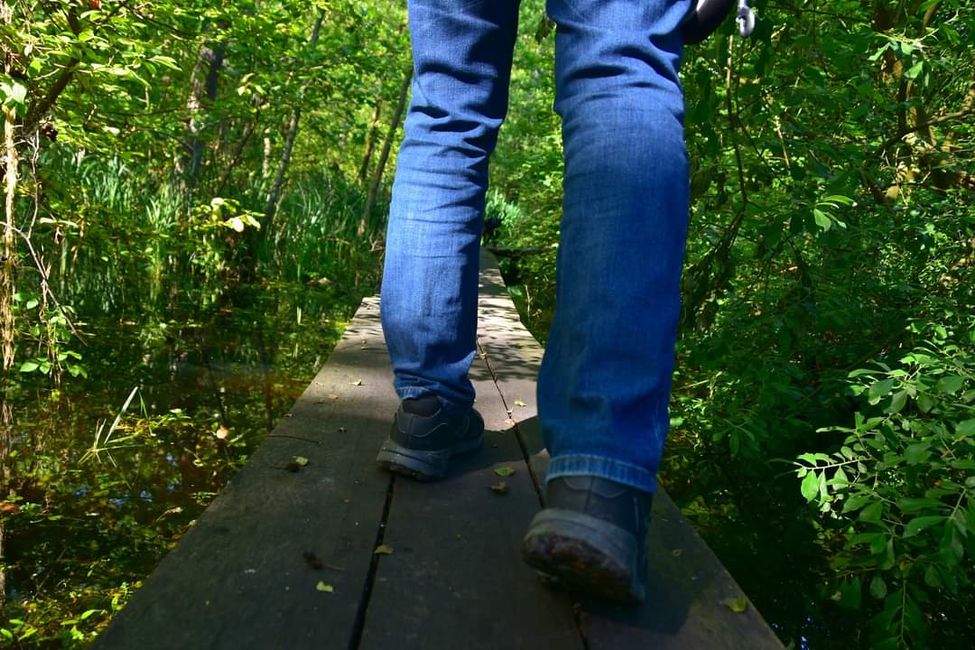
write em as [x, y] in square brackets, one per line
[424, 438]
[591, 537]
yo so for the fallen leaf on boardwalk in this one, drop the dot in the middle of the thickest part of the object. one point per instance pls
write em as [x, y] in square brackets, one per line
[341, 429]
[500, 488]
[321, 586]
[504, 470]
[383, 549]
[300, 461]
[518, 402]
[357, 382]
[737, 605]
[677, 552]
[333, 396]
[509, 422]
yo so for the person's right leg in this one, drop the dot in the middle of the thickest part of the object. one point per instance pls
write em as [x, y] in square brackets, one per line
[605, 379]
[462, 51]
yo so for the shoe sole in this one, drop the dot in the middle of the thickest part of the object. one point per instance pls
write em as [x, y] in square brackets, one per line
[582, 553]
[423, 465]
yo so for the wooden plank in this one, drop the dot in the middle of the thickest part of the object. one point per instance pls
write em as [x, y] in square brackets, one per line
[456, 576]
[238, 579]
[690, 602]
[687, 586]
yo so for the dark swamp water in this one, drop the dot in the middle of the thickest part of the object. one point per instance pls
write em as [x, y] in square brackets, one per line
[108, 471]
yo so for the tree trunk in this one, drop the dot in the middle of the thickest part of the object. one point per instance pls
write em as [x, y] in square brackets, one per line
[377, 178]
[7, 268]
[212, 58]
[274, 196]
[370, 141]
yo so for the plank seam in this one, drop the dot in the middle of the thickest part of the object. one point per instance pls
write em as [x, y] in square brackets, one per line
[359, 624]
[576, 612]
[521, 441]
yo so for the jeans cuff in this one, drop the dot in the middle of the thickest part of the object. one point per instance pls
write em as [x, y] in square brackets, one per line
[608, 468]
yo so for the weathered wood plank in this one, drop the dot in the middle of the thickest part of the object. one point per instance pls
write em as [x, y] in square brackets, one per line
[455, 576]
[238, 579]
[688, 585]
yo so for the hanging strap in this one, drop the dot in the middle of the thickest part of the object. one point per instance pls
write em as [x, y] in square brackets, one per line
[745, 18]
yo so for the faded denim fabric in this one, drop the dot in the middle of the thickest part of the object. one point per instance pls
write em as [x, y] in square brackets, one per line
[605, 379]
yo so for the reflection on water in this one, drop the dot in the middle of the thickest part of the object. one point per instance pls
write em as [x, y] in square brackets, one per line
[109, 471]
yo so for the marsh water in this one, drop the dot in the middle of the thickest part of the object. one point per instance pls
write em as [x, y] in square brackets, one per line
[109, 469]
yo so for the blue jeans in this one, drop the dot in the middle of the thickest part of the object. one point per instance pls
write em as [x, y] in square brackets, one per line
[605, 378]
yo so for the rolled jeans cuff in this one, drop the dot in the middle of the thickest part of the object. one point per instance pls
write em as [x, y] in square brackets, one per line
[608, 468]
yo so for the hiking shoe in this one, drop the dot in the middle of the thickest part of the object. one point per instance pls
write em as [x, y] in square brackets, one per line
[591, 537]
[424, 438]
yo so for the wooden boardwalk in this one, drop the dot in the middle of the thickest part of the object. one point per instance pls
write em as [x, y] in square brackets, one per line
[286, 559]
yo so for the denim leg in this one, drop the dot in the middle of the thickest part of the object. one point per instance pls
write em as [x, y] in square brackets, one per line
[462, 52]
[605, 378]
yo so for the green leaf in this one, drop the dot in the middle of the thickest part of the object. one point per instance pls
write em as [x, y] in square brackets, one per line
[965, 428]
[917, 453]
[848, 595]
[736, 604]
[504, 470]
[856, 502]
[810, 486]
[915, 70]
[915, 505]
[878, 588]
[932, 578]
[822, 220]
[840, 478]
[897, 402]
[326, 588]
[950, 384]
[839, 198]
[925, 403]
[16, 93]
[916, 525]
[879, 389]
[873, 512]
[29, 366]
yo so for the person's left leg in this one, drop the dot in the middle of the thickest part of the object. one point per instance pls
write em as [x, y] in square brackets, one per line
[462, 52]
[604, 383]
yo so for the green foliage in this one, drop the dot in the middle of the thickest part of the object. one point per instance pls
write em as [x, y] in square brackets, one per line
[899, 490]
[150, 138]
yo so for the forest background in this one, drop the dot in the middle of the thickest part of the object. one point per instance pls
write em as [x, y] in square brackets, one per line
[194, 203]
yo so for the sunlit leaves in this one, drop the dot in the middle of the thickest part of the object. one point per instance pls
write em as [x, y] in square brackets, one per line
[912, 469]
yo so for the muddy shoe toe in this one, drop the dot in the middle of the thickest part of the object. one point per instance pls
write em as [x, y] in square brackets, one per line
[591, 538]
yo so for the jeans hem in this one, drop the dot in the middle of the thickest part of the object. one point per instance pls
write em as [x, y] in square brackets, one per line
[608, 468]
